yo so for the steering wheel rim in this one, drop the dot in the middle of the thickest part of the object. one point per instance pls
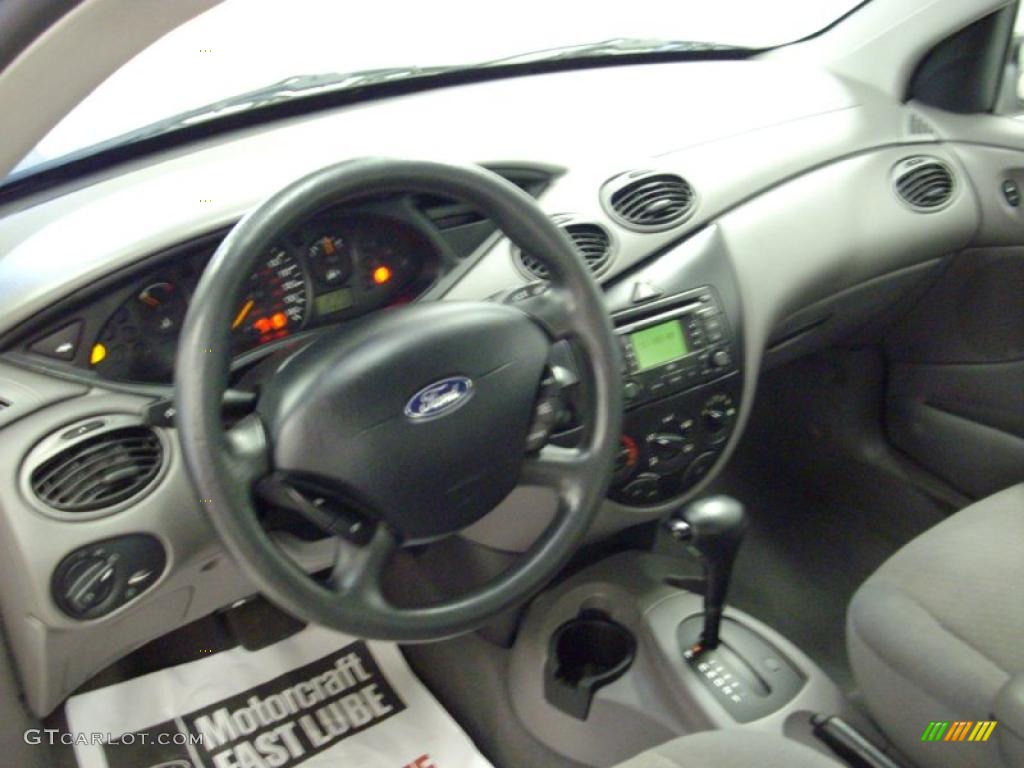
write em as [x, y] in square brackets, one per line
[225, 465]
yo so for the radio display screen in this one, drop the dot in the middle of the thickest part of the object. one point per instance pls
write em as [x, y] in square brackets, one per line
[658, 344]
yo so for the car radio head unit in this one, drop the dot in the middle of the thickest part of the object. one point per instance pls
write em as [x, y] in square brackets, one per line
[678, 343]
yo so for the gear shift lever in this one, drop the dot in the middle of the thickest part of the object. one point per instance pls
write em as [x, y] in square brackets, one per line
[714, 527]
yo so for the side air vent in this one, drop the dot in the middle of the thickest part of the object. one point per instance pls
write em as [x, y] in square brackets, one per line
[924, 183]
[648, 201]
[592, 241]
[99, 472]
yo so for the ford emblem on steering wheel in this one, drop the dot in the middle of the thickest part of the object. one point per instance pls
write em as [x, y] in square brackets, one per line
[440, 398]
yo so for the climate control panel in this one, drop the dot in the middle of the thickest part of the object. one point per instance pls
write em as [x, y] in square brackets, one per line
[670, 445]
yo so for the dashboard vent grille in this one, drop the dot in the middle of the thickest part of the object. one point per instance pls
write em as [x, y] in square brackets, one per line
[592, 242]
[924, 183]
[651, 201]
[99, 472]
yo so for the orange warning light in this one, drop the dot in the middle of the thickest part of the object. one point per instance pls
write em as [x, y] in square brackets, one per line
[279, 320]
[263, 325]
[381, 275]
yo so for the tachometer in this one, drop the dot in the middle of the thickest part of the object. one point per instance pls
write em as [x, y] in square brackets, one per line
[275, 304]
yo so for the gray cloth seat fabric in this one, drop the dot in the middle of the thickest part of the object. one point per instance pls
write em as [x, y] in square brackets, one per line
[735, 748]
[938, 629]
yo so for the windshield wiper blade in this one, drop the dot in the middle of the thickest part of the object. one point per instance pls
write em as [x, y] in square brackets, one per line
[293, 87]
[305, 85]
[618, 46]
[283, 90]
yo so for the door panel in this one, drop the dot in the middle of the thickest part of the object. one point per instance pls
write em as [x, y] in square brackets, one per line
[955, 399]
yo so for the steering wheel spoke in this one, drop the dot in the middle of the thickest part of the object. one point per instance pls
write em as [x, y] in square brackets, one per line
[248, 452]
[359, 570]
[561, 469]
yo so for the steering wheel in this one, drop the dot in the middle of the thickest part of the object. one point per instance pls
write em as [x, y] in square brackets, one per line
[422, 418]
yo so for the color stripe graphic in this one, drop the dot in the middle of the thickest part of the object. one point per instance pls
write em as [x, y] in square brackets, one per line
[958, 730]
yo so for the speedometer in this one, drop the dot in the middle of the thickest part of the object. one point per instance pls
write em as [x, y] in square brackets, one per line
[275, 304]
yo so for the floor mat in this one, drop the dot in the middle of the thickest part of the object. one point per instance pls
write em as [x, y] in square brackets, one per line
[828, 500]
[316, 699]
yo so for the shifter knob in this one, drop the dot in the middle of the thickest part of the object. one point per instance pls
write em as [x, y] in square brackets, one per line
[713, 527]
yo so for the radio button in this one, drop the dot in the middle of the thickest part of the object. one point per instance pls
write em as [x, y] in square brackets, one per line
[631, 391]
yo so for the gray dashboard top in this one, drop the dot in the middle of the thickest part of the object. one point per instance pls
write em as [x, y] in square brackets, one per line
[731, 128]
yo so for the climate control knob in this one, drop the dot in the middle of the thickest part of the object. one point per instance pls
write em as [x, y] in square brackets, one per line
[714, 419]
[720, 358]
[666, 446]
[718, 414]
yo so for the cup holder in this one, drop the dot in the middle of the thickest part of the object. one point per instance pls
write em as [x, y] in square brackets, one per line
[585, 654]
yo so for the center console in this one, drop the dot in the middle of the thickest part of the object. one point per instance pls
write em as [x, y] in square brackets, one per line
[613, 662]
[682, 386]
[641, 648]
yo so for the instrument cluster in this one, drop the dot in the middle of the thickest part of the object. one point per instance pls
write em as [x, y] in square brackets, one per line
[337, 266]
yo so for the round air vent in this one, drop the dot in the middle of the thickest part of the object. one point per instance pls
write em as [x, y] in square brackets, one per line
[100, 471]
[592, 241]
[649, 201]
[924, 183]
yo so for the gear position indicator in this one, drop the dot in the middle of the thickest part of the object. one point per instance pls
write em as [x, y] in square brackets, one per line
[746, 674]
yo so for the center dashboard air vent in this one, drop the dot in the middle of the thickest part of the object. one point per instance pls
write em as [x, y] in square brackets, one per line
[99, 472]
[924, 183]
[649, 201]
[592, 241]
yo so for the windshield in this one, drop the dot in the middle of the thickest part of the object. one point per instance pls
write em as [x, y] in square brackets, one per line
[243, 45]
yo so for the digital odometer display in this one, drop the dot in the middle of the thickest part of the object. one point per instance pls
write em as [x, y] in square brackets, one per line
[335, 301]
[275, 303]
[658, 344]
